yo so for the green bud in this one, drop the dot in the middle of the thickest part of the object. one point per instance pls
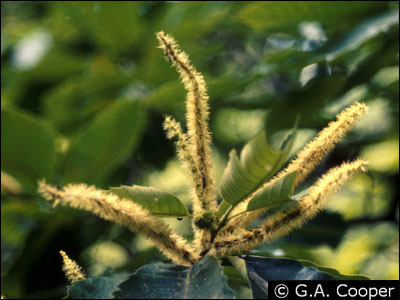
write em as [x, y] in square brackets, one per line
[206, 220]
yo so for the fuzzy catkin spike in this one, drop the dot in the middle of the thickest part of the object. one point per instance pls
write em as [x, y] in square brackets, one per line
[197, 115]
[313, 153]
[174, 130]
[308, 158]
[282, 223]
[124, 212]
[72, 270]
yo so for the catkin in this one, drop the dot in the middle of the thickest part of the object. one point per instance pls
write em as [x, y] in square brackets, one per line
[124, 212]
[283, 222]
[72, 270]
[197, 115]
[307, 159]
[174, 131]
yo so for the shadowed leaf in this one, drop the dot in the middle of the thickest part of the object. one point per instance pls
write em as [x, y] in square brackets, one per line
[204, 280]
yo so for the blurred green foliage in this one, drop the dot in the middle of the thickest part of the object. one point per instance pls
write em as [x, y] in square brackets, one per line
[84, 91]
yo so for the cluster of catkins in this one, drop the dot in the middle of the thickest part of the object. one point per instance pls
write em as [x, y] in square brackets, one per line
[212, 235]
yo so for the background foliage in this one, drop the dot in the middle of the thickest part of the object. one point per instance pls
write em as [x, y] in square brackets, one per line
[84, 91]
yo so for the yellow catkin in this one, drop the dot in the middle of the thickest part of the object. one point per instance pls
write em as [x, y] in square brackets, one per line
[124, 212]
[9, 184]
[72, 270]
[197, 115]
[308, 158]
[283, 222]
[174, 131]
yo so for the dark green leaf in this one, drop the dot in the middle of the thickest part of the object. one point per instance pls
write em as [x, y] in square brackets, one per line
[158, 202]
[27, 148]
[204, 280]
[17, 221]
[262, 269]
[271, 15]
[278, 192]
[105, 144]
[113, 27]
[95, 288]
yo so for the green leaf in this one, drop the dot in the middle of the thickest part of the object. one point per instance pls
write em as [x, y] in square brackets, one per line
[167, 98]
[223, 208]
[18, 219]
[95, 288]
[112, 27]
[27, 148]
[273, 16]
[363, 32]
[105, 144]
[258, 162]
[158, 202]
[204, 280]
[73, 101]
[278, 192]
[260, 270]
[240, 266]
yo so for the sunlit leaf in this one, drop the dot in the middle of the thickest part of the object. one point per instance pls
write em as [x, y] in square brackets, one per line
[158, 202]
[278, 192]
[258, 162]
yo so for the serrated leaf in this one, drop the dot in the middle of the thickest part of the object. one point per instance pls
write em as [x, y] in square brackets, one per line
[204, 280]
[278, 192]
[260, 270]
[258, 162]
[95, 288]
[27, 148]
[158, 202]
[105, 144]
